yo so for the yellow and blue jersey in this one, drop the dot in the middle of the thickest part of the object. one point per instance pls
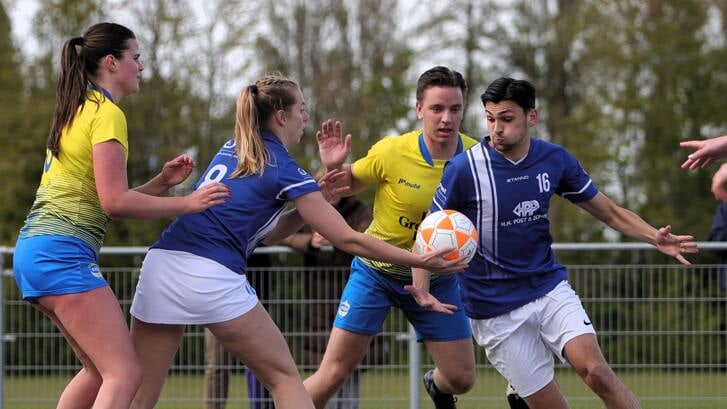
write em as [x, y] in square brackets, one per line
[67, 202]
[406, 177]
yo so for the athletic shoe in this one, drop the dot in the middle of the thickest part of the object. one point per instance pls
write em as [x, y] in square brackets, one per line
[514, 400]
[441, 400]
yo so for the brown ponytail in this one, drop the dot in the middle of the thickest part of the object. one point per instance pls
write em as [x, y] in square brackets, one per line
[80, 59]
[255, 105]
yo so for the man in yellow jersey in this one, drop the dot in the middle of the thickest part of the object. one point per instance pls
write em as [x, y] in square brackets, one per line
[405, 169]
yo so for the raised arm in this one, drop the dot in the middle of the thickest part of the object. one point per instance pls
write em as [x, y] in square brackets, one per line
[630, 224]
[173, 173]
[120, 202]
[333, 149]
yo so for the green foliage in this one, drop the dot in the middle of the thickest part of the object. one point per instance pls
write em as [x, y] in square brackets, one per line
[347, 63]
[619, 84]
[12, 207]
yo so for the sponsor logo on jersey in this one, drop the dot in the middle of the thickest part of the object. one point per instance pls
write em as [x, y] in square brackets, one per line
[343, 308]
[517, 179]
[526, 208]
[412, 185]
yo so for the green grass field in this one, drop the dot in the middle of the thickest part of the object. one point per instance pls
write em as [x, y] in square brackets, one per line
[387, 389]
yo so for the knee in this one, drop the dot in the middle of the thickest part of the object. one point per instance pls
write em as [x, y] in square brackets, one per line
[461, 382]
[599, 377]
[336, 374]
[128, 374]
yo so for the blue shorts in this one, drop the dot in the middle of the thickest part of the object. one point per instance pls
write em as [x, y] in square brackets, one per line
[369, 295]
[55, 265]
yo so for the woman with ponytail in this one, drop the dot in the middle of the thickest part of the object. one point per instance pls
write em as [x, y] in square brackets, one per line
[84, 183]
[195, 273]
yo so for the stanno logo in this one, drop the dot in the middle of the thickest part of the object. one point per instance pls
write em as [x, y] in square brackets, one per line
[526, 208]
[343, 308]
[409, 184]
[518, 179]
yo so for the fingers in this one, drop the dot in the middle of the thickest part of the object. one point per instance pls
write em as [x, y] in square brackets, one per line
[215, 193]
[690, 144]
[328, 130]
[347, 143]
[682, 260]
[182, 159]
[439, 252]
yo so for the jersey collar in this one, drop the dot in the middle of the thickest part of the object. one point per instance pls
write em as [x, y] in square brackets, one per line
[104, 91]
[425, 152]
[269, 136]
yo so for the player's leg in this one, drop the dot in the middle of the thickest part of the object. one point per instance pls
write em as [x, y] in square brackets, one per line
[365, 303]
[48, 267]
[569, 332]
[216, 372]
[255, 339]
[94, 325]
[514, 400]
[83, 387]
[448, 339]
[156, 345]
[345, 351]
[584, 354]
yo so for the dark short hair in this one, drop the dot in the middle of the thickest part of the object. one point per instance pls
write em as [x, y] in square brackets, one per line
[440, 76]
[507, 89]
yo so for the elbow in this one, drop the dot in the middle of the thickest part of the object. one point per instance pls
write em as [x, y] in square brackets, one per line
[113, 209]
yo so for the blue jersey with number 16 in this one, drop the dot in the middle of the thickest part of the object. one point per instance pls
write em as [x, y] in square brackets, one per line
[508, 202]
[229, 232]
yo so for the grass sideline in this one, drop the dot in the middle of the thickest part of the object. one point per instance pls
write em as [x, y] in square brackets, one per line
[384, 389]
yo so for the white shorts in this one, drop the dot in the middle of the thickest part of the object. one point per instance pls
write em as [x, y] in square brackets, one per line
[177, 287]
[520, 344]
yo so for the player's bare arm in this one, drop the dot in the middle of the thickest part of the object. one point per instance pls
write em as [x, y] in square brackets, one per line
[630, 224]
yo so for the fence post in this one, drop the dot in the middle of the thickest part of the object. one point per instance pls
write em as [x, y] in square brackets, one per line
[2, 327]
[415, 364]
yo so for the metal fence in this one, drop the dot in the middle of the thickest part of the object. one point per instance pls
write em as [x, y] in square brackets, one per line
[663, 328]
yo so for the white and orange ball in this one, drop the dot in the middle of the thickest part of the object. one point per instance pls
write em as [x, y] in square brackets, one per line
[447, 228]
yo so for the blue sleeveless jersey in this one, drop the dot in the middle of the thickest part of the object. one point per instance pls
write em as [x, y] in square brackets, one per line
[229, 232]
[508, 202]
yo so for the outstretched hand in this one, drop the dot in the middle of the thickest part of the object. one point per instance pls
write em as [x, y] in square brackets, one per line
[436, 263]
[207, 196]
[332, 147]
[429, 302]
[706, 152]
[177, 170]
[327, 184]
[675, 245]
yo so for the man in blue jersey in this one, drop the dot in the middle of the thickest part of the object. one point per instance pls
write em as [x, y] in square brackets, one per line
[521, 307]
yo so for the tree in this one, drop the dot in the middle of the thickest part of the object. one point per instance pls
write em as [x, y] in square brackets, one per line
[14, 205]
[31, 88]
[348, 63]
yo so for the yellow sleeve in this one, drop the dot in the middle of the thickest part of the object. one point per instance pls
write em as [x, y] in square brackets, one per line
[371, 168]
[109, 124]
